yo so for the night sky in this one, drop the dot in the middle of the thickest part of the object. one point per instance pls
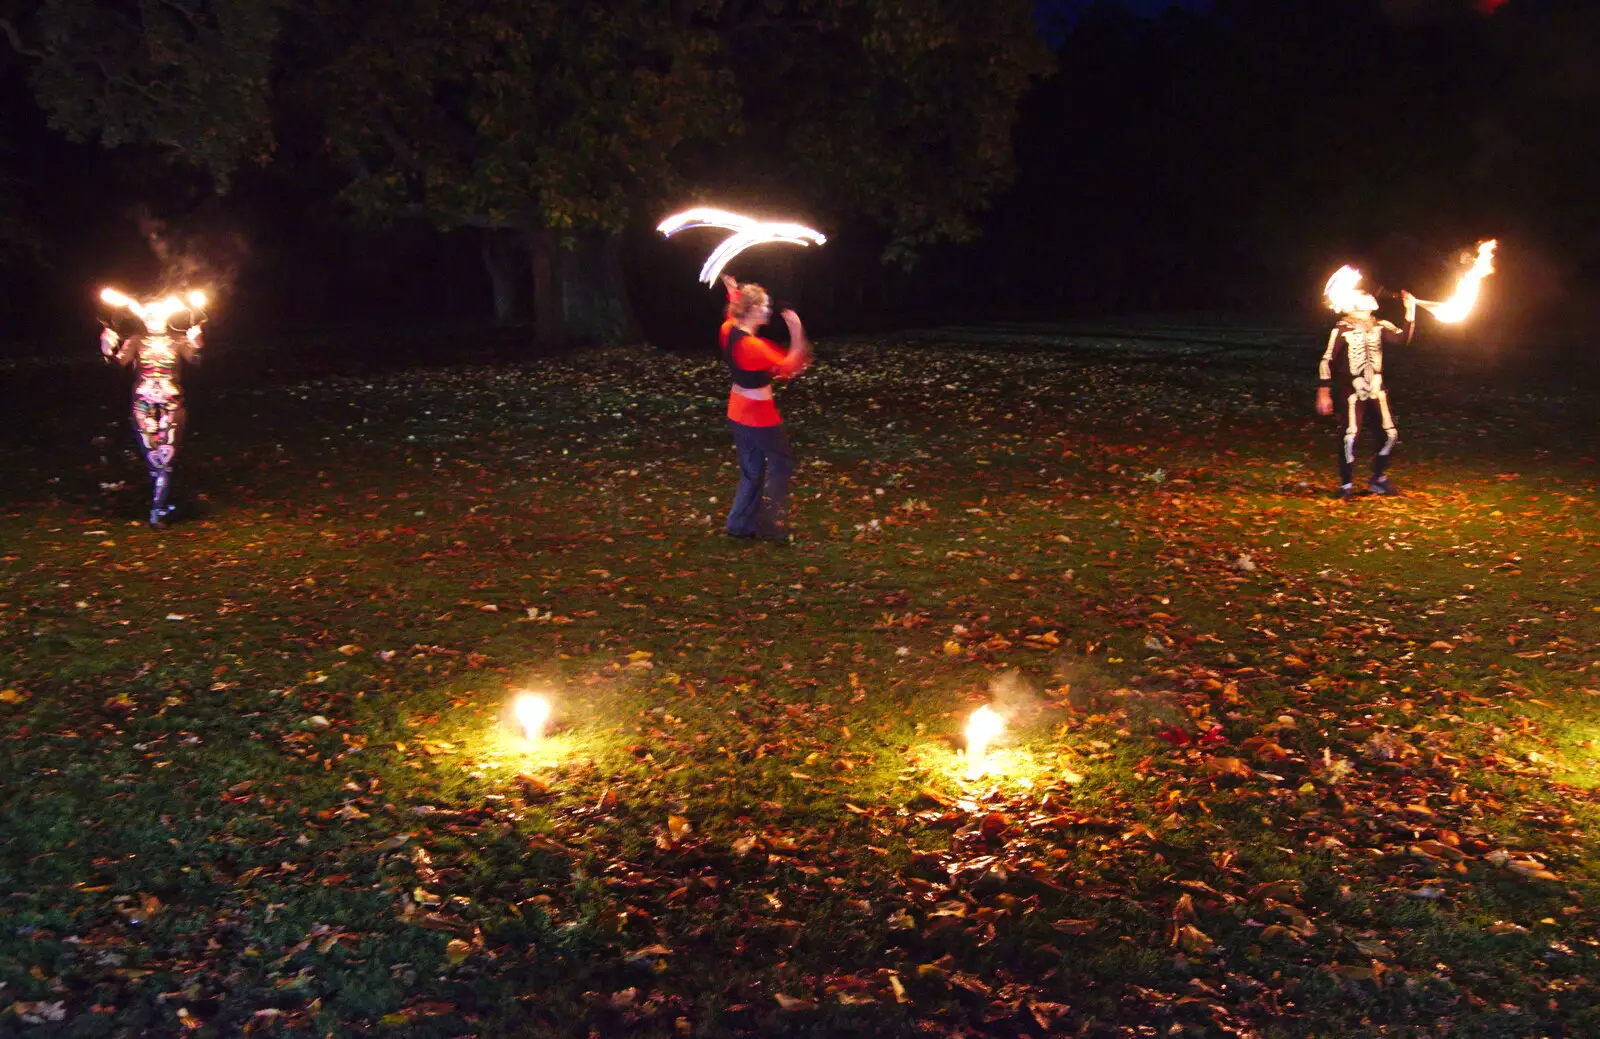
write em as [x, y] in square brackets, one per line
[1056, 15]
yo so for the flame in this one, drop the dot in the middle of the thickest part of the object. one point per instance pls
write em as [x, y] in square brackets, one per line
[117, 299]
[157, 313]
[747, 232]
[531, 713]
[1343, 289]
[982, 728]
[1459, 305]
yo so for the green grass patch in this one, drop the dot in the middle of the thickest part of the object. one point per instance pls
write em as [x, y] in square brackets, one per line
[1274, 764]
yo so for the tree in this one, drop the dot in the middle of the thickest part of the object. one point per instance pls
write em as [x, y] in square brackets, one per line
[568, 120]
[564, 121]
[189, 77]
[549, 118]
[900, 110]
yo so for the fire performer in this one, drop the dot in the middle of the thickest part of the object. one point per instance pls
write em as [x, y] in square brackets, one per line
[1354, 360]
[1354, 357]
[157, 356]
[754, 363]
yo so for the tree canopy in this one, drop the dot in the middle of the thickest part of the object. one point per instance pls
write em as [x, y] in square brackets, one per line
[191, 78]
[563, 116]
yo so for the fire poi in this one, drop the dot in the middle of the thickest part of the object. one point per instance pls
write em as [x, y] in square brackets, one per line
[747, 232]
[1354, 359]
[157, 355]
[982, 728]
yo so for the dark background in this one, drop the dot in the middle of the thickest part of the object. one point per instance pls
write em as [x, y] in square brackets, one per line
[1193, 158]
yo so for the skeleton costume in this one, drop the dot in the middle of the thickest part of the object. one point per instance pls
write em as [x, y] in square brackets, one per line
[158, 412]
[1352, 369]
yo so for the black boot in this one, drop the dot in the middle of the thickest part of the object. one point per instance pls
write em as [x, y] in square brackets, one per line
[160, 511]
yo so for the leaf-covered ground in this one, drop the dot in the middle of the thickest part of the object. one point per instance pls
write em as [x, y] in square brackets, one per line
[1275, 765]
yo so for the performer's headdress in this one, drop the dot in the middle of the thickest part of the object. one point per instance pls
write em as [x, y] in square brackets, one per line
[1345, 295]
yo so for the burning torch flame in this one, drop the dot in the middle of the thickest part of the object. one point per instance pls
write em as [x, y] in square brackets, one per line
[982, 728]
[532, 712]
[1343, 289]
[117, 299]
[155, 313]
[1460, 304]
[747, 232]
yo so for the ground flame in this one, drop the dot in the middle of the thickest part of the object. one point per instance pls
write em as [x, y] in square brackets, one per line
[532, 712]
[982, 728]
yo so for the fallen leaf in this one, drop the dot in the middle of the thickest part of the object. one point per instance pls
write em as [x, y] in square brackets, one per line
[1193, 941]
[791, 1003]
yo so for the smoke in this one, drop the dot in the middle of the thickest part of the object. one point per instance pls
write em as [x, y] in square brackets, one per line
[1014, 697]
[209, 260]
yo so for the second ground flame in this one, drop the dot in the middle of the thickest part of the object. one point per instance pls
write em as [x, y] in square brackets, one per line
[982, 728]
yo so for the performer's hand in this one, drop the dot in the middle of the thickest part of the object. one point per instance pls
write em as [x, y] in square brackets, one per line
[730, 283]
[1411, 304]
[1324, 401]
[108, 341]
[790, 318]
[193, 335]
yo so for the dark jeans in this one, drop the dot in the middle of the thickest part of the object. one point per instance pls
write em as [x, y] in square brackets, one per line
[1374, 414]
[765, 467]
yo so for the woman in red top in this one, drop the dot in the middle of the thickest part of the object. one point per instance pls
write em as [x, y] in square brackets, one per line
[765, 465]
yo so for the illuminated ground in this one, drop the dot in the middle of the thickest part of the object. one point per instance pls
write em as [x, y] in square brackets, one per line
[1276, 765]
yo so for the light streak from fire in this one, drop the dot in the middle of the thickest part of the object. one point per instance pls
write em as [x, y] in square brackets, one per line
[747, 233]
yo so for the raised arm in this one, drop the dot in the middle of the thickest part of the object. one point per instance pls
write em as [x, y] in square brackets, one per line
[799, 355]
[117, 350]
[1403, 336]
[189, 346]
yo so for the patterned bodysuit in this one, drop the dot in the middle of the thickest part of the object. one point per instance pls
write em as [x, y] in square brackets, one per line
[1354, 360]
[158, 412]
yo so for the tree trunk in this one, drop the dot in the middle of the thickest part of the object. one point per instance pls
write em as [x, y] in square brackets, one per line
[617, 281]
[580, 293]
[549, 321]
[500, 262]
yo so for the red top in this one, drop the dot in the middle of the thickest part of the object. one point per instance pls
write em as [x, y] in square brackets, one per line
[757, 354]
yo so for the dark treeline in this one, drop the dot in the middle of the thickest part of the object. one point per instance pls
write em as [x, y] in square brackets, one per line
[1218, 160]
[1227, 160]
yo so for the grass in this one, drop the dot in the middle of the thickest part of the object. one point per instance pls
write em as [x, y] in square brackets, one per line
[1275, 765]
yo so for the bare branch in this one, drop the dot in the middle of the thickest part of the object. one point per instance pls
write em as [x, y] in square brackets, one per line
[15, 39]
